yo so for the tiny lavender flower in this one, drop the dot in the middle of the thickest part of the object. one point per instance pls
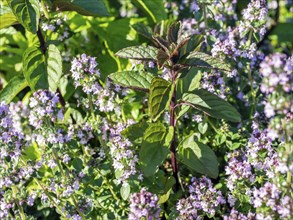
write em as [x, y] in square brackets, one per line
[203, 197]
[144, 205]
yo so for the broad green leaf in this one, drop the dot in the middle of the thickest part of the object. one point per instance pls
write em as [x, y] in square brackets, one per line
[160, 97]
[203, 60]
[198, 157]
[135, 131]
[14, 86]
[34, 68]
[125, 191]
[87, 8]
[154, 133]
[153, 151]
[188, 83]
[40, 71]
[27, 13]
[139, 80]
[212, 105]
[7, 18]
[155, 9]
[138, 53]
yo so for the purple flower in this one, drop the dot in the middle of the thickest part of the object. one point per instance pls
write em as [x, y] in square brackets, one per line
[144, 205]
[203, 197]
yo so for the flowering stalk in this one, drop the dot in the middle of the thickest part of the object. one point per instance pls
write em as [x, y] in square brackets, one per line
[49, 196]
[64, 176]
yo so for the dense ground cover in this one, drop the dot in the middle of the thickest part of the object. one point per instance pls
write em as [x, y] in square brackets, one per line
[155, 109]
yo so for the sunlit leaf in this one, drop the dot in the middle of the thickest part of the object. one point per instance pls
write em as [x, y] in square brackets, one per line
[27, 13]
[160, 97]
[138, 53]
[212, 105]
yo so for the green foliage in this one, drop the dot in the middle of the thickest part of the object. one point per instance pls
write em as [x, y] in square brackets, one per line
[212, 105]
[154, 9]
[14, 86]
[87, 8]
[159, 97]
[7, 17]
[27, 13]
[154, 149]
[203, 60]
[198, 156]
[135, 131]
[139, 80]
[42, 71]
[138, 53]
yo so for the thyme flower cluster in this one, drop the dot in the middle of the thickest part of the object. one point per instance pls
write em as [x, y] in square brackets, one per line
[144, 204]
[203, 197]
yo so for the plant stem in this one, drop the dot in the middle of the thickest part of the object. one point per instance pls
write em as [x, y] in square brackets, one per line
[91, 106]
[21, 212]
[173, 124]
[55, 155]
[44, 189]
[49, 196]
[42, 41]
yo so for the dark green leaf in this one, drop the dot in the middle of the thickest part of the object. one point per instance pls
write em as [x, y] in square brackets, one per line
[27, 13]
[188, 83]
[14, 86]
[160, 97]
[135, 131]
[133, 79]
[87, 8]
[193, 43]
[153, 151]
[212, 105]
[198, 157]
[203, 60]
[138, 53]
[34, 68]
[40, 71]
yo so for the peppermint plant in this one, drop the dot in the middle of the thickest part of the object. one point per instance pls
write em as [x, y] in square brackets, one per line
[179, 56]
